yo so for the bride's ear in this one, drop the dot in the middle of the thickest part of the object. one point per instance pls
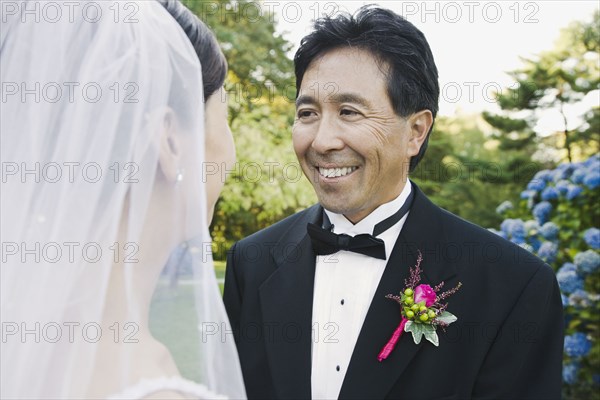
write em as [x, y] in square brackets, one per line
[169, 149]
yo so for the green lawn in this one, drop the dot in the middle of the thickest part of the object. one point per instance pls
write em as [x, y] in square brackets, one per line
[220, 272]
[173, 318]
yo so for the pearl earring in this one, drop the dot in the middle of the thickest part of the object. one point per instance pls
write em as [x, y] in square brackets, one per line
[179, 176]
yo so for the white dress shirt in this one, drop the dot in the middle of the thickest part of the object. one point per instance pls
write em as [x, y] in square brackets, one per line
[345, 283]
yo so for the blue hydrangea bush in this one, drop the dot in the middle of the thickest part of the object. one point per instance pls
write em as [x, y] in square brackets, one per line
[558, 219]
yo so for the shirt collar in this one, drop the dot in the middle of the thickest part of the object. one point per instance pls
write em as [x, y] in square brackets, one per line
[366, 225]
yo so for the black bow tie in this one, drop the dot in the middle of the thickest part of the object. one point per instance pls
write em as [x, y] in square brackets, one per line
[325, 242]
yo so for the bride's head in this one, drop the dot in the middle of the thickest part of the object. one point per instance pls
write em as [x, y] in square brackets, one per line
[219, 151]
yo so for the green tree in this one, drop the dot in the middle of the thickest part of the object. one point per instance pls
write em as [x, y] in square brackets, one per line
[260, 70]
[464, 170]
[266, 183]
[553, 81]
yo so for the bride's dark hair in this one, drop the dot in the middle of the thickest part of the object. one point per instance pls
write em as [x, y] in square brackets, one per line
[214, 65]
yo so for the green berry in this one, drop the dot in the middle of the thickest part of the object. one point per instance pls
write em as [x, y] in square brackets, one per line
[408, 292]
[415, 307]
[431, 313]
[408, 301]
[410, 314]
[424, 317]
[423, 309]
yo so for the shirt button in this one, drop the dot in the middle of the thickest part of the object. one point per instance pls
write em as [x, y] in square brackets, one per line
[342, 302]
[337, 368]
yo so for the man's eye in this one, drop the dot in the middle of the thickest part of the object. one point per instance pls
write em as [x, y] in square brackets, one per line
[349, 112]
[305, 113]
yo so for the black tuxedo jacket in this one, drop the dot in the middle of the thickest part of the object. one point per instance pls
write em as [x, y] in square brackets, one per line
[506, 344]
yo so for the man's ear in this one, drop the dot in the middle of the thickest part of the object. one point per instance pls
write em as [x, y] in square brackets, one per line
[420, 124]
[169, 148]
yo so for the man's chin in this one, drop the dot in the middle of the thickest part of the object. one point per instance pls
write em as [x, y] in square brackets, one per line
[337, 205]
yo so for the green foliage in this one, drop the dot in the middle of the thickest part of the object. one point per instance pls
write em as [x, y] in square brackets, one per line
[466, 172]
[267, 183]
[260, 71]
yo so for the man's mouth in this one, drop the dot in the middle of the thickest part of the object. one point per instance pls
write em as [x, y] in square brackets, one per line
[336, 172]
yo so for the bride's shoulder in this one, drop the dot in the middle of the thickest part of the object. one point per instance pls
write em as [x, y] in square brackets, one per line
[154, 388]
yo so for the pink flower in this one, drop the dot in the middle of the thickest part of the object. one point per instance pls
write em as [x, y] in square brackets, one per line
[425, 293]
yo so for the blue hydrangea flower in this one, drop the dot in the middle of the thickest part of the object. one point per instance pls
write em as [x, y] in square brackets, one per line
[592, 179]
[568, 267]
[561, 172]
[573, 191]
[532, 227]
[562, 186]
[549, 231]
[542, 211]
[535, 243]
[578, 175]
[528, 194]
[505, 225]
[499, 233]
[545, 175]
[592, 238]
[517, 240]
[536, 184]
[588, 261]
[580, 299]
[593, 160]
[513, 228]
[518, 229]
[504, 207]
[577, 345]
[592, 163]
[570, 372]
[569, 281]
[548, 252]
[550, 193]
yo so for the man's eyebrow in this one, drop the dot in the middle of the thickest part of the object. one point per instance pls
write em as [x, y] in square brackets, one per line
[348, 98]
[335, 98]
[304, 99]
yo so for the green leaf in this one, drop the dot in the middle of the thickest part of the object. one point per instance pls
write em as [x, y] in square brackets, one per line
[431, 335]
[446, 318]
[416, 330]
[420, 330]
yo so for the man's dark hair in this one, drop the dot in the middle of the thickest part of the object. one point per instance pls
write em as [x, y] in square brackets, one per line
[412, 77]
[214, 65]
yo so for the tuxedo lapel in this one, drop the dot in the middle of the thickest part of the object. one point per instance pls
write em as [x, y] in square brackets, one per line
[286, 299]
[366, 376]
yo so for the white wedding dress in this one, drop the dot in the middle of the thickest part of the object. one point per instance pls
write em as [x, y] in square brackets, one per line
[148, 387]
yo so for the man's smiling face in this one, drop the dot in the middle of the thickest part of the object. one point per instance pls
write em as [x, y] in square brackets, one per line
[351, 145]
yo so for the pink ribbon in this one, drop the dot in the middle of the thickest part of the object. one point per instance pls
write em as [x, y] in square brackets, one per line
[387, 349]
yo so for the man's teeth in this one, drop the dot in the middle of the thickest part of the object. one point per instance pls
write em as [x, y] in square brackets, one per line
[335, 172]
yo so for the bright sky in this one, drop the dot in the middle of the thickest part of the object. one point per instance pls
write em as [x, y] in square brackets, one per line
[474, 42]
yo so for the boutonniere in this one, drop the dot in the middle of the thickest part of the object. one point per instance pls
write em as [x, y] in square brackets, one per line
[423, 310]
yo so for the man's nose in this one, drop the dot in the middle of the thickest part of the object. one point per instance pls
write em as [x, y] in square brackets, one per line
[328, 136]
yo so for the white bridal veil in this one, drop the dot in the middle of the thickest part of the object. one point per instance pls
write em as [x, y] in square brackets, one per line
[102, 147]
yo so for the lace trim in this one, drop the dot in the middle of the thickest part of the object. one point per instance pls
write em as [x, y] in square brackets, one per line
[146, 387]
